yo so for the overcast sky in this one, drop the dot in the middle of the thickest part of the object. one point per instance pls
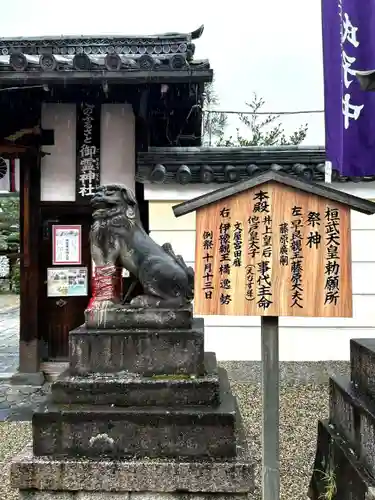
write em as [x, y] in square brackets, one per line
[269, 47]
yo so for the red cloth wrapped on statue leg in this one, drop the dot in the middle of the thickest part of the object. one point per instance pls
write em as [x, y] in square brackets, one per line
[106, 285]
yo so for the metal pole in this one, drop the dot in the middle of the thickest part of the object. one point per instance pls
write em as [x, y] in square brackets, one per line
[270, 396]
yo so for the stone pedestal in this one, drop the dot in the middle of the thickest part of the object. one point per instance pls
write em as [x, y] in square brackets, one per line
[345, 456]
[127, 316]
[167, 351]
[140, 412]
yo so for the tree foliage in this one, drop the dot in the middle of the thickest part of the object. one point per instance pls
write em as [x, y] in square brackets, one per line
[10, 236]
[9, 224]
[214, 124]
[261, 129]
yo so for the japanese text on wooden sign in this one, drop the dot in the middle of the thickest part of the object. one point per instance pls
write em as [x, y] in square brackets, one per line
[273, 251]
[88, 150]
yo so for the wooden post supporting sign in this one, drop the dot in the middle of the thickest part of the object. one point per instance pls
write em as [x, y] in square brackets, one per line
[273, 246]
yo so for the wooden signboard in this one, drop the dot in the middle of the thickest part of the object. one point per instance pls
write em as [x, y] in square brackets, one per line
[274, 246]
[273, 252]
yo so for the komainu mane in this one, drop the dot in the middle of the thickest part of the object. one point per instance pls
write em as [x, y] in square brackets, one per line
[118, 238]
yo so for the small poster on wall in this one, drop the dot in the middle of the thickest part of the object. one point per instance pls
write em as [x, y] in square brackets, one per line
[66, 245]
[67, 282]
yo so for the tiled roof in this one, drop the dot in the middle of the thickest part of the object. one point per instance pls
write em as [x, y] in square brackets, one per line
[157, 57]
[218, 165]
[303, 185]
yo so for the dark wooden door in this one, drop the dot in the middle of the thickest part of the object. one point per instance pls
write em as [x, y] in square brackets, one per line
[59, 315]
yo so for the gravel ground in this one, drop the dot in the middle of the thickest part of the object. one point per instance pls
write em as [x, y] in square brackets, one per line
[302, 405]
[13, 437]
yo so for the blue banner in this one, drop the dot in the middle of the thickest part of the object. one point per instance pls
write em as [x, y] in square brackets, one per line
[348, 46]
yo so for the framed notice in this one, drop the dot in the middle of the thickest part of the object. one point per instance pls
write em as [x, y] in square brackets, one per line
[67, 282]
[66, 245]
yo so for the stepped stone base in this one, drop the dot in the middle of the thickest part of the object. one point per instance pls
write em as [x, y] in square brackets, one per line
[117, 432]
[362, 361]
[141, 414]
[337, 472]
[175, 478]
[342, 404]
[126, 389]
[143, 351]
[354, 416]
[105, 495]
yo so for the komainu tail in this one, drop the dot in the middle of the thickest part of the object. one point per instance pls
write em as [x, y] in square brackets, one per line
[167, 247]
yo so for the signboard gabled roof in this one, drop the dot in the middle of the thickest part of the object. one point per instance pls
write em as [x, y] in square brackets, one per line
[353, 202]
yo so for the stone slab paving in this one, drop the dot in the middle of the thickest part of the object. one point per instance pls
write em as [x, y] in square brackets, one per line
[9, 338]
[16, 402]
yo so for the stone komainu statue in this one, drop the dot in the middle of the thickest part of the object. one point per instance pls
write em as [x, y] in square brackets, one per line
[118, 239]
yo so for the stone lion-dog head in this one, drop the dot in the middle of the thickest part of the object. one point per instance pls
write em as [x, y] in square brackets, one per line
[113, 200]
[115, 217]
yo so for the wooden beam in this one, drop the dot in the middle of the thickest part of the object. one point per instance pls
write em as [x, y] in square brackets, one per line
[29, 275]
[12, 149]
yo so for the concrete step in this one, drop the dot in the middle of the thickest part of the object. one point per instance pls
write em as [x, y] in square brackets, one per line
[53, 369]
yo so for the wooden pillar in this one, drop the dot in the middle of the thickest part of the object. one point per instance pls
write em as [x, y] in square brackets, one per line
[29, 344]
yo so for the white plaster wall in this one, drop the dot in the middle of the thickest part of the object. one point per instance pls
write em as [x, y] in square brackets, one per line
[117, 153]
[59, 167]
[301, 339]
[58, 170]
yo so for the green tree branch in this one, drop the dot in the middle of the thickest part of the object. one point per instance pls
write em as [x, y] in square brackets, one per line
[263, 130]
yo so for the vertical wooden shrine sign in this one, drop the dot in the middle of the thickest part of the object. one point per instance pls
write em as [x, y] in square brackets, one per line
[272, 246]
[88, 150]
